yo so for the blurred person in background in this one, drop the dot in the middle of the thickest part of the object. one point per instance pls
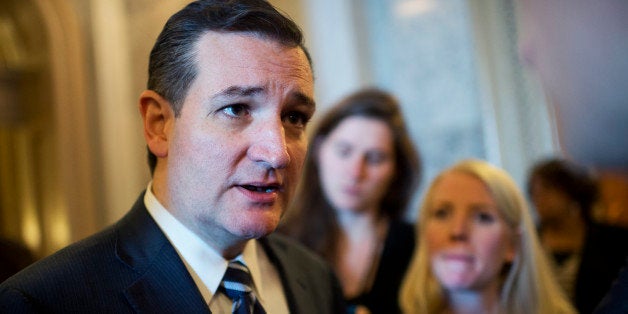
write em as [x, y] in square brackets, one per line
[360, 175]
[578, 48]
[588, 255]
[477, 249]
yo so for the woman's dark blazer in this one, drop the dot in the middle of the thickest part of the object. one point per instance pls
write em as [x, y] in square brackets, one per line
[396, 255]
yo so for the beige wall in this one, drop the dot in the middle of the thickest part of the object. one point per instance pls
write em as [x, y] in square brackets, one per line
[47, 187]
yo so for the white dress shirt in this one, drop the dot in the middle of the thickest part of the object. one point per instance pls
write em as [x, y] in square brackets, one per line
[207, 266]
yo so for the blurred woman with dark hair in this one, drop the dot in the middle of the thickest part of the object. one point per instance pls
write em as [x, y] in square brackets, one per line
[360, 175]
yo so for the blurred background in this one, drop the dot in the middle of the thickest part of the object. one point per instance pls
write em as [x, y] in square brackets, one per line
[72, 155]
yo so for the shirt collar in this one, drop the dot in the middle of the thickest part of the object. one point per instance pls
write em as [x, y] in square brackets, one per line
[204, 263]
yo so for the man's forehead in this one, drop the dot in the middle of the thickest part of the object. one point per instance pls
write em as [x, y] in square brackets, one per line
[233, 51]
[232, 65]
[235, 43]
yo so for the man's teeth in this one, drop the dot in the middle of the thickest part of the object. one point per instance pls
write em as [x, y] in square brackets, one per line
[260, 189]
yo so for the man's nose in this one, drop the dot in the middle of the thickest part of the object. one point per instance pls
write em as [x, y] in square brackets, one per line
[269, 145]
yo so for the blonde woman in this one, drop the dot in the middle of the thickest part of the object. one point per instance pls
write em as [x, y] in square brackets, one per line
[477, 249]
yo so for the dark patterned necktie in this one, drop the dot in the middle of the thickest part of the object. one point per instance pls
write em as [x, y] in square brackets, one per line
[236, 284]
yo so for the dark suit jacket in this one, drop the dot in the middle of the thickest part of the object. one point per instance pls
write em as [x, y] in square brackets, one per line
[603, 255]
[132, 267]
[616, 301]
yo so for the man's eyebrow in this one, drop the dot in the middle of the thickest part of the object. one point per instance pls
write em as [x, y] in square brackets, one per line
[246, 91]
[304, 99]
[239, 91]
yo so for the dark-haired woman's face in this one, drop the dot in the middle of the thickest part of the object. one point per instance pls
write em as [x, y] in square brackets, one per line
[357, 164]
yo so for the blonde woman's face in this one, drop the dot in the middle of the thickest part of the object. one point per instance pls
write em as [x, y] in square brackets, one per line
[357, 164]
[468, 240]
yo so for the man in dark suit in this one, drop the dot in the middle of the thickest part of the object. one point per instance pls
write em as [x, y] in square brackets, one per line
[230, 92]
[579, 49]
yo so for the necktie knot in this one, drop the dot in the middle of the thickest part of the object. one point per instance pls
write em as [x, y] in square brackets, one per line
[237, 285]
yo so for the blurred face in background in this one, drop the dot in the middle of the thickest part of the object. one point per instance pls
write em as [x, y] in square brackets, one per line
[468, 240]
[357, 163]
[578, 48]
[551, 203]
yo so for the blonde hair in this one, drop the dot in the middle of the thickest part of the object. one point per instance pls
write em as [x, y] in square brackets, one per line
[529, 285]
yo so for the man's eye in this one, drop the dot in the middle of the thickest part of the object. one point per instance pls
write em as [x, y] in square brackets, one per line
[236, 110]
[296, 118]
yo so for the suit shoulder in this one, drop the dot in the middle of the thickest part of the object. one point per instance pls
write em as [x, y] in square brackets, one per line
[291, 254]
[73, 256]
[301, 268]
[293, 248]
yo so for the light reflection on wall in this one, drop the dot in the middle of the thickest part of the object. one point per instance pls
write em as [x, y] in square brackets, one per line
[31, 230]
[412, 8]
[59, 225]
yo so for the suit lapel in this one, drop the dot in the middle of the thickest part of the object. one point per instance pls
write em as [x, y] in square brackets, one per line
[295, 283]
[164, 284]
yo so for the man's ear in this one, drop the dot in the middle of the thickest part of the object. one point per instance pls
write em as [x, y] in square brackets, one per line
[158, 118]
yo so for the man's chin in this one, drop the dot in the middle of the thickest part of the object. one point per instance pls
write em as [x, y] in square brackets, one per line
[258, 228]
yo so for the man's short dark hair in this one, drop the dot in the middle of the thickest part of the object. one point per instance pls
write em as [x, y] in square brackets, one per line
[173, 60]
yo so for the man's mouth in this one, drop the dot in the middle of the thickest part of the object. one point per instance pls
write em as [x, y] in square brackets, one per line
[261, 193]
[261, 189]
